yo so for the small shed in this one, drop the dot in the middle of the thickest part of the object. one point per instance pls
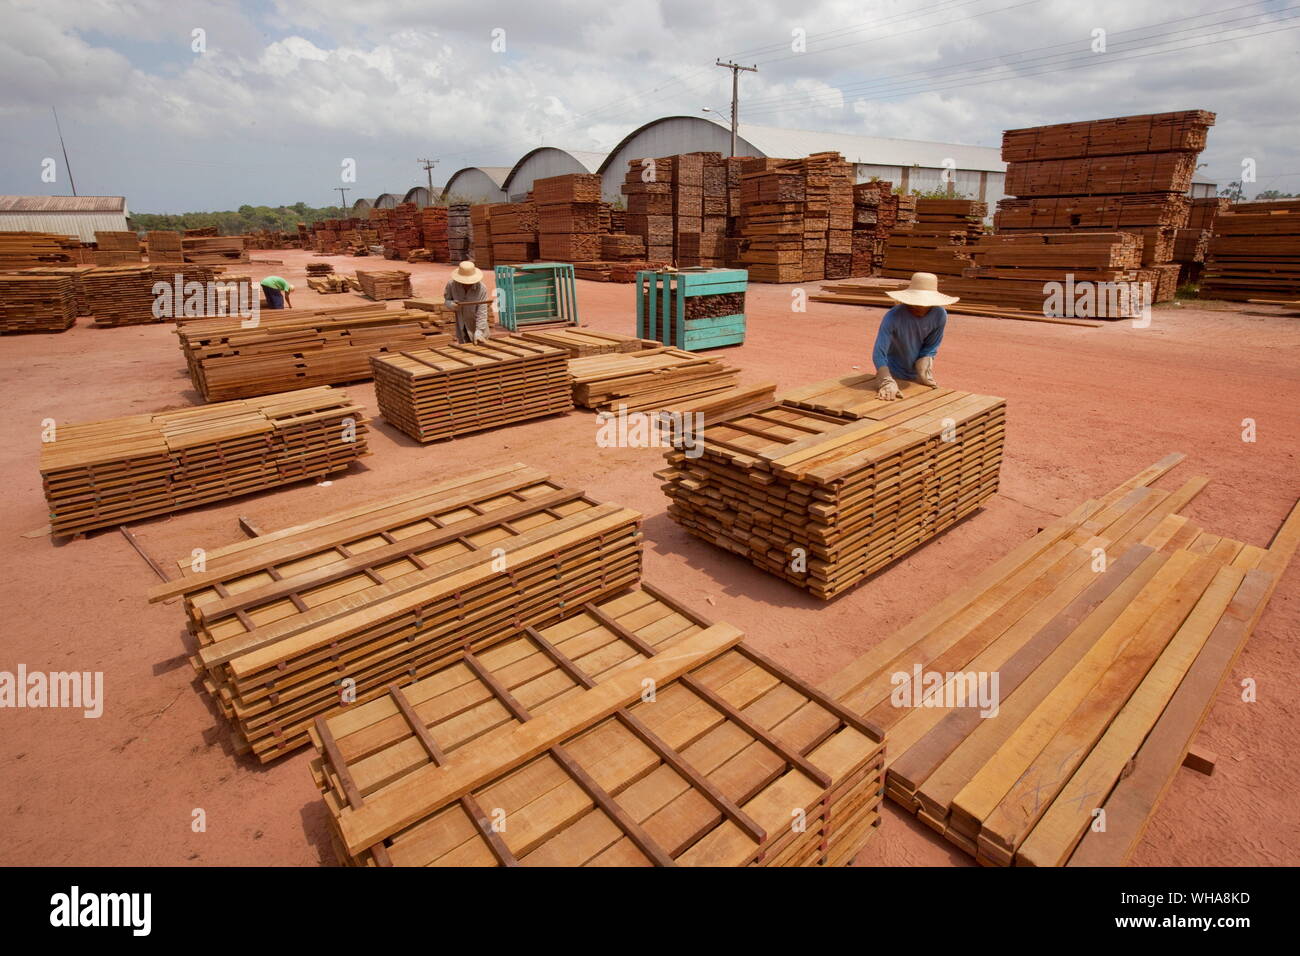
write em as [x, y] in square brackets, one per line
[79, 216]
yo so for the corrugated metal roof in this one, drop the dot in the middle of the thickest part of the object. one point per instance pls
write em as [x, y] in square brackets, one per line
[82, 225]
[589, 158]
[879, 150]
[63, 204]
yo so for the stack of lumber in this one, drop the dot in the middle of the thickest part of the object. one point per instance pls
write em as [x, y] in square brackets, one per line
[390, 284]
[877, 214]
[274, 238]
[648, 379]
[75, 273]
[164, 245]
[581, 342]
[298, 348]
[621, 247]
[1130, 173]
[19, 250]
[648, 186]
[436, 393]
[116, 248]
[1255, 253]
[514, 232]
[433, 232]
[679, 206]
[331, 284]
[1104, 674]
[458, 233]
[37, 303]
[937, 240]
[124, 295]
[568, 217]
[104, 473]
[392, 591]
[400, 232]
[549, 729]
[1192, 243]
[319, 268]
[829, 484]
[214, 250]
[480, 217]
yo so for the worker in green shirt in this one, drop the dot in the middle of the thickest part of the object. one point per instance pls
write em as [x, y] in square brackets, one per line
[277, 292]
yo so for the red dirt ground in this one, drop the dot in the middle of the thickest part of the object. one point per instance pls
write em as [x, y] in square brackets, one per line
[1087, 408]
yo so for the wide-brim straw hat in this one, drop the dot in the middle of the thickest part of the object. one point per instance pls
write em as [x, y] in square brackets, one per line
[923, 290]
[467, 273]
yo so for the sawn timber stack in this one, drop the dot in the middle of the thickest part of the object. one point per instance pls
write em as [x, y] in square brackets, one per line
[324, 616]
[548, 731]
[647, 380]
[829, 484]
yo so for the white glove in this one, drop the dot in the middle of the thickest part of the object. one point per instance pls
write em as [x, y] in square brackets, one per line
[888, 388]
[925, 371]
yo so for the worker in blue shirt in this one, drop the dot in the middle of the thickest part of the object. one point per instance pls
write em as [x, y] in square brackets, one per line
[909, 336]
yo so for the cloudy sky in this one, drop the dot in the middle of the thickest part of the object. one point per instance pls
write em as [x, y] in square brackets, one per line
[193, 105]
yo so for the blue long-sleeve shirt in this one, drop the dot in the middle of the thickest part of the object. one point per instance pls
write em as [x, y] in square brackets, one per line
[903, 338]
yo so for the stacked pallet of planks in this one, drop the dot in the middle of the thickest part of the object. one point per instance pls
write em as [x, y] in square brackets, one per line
[37, 303]
[299, 348]
[121, 295]
[568, 217]
[581, 342]
[97, 474]
[514, 233]
[125, 295]
[829, 484]
[459, 233]
[214, 250]
[434, 234]
[648, 380]
[877, 214]
[480, 217]
[548, 732]
[1192, 243]
[319, 268]
[319, 618]
[388, 284]
[937, 240]
[1255, 253]
[116, 248]
[21, 250]
[400, 232]
[164, 245]
[331, 284]
[75, 273]
[436, 393]
[1109, 634]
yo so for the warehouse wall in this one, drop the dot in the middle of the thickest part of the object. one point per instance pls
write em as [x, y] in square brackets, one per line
[679, 134]
[82, 225]
[473, 185]
[547, 161]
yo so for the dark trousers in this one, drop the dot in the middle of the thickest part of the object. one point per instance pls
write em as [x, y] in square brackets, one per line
[274, 297]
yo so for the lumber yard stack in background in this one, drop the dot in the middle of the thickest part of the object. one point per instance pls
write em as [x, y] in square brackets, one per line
[706, 774]
[393, 591]
[116, 248]
[680, 207]
[514, 232]
[1255, 253]
[434, 233]
[97, 474]
[299, 348]
[580, 343]
[164, 245]
[829, 484]
[21, 250]
[648, 380]
[1129, 173]
[75, 273]
[877, 214]
[319, 268]
[1192, 243]
[937, 239]
[214, 250]
[390, 284]
[124, 295]
[458, 233]
[480, 217]
[568, 217]
[37, 303]
[449, 390]
[1104, 677]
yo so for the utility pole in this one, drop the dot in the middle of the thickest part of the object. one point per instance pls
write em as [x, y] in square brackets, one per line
[66, 165]
[428, 170]
[735, 69]
[343, 197]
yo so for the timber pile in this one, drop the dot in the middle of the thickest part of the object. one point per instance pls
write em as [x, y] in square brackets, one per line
[1255, 253]
[617, 271]
[648, 380]
[319, 268]
[580, 342]
[480, 217]
[298, 348]
[436, 393]
[568, 217]
[514, 232]
[549, 728]
[124, 295]
[214, 250]
[97, 474]
[433, 232]
[1192, 244]
[829, 484]
[390, 284]
[459, 233]
[331, 284]
[392, 591]
[399, 232]
[877, 214]
[1104, 676]
[20, 250]
[37, 303]
[164, 245]
[679, 206]
[75, 273]
[116, 248]
[620, 247]
[937, 240]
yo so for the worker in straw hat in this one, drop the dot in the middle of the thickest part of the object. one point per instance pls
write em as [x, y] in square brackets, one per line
[909, 335]
[468, 298]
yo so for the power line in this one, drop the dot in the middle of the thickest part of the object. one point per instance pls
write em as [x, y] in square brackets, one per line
[736, 69]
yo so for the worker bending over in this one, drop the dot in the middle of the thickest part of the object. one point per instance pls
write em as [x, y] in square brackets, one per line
[468, 298]
[277, 292]
[910, 334]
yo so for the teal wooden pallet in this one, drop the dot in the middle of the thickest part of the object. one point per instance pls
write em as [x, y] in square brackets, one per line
[661, 308]
[538, 293]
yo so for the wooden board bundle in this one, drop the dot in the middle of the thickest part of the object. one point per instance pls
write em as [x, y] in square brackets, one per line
[548, 733]
[390, 284]
[320, 268]
[434, 235]
[104, 473]
[19, 250]
[459, 233]
[1141, 173]
[647, 380]
[214, 250]
[1138, 210]
[935, 242]
[321, 617]
[436, 393]
[581, 342]
[1180, 131]
[124, 295]
[1255, 253]
[37, 303]
[75, 273]
[830, 484]
[116, 248]
[877, 214]
[514, 232]
[164, 245]
[797, 217]
[568, 217]
[333, 284]
[292, 349]
[1104, 673]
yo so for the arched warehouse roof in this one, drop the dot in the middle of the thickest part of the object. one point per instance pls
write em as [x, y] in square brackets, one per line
[362, 207]
[477, 184]
[548, 161]
[419, 195]
[386, 200]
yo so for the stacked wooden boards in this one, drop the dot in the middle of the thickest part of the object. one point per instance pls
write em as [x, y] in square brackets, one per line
[20, 250]
[388, 284]
[936, 241]
[116, 248]
[877, 213]
[1255, 253]
[649, 379]
[1108, 634]
[450, 390]
[293, 624]
[581, 342]
[37, 303]
[568, 217]
[830, 484]
[289, 350]
[545, 750]
[103, 473]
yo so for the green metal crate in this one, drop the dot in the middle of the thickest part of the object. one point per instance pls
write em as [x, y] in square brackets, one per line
[538, 293]
[661, 308]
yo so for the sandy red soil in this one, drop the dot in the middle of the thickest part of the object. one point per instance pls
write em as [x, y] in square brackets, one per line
[1086, 409]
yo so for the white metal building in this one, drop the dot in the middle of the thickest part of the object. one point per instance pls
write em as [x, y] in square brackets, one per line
[78, 216]
[477, 184]
[548, 161]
